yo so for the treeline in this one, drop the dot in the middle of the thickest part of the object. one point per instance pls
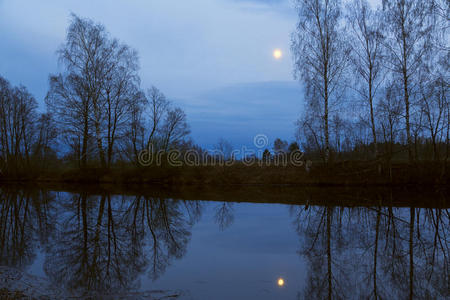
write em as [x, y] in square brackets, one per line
[376, 80]
[376, 87]
[96, 112]
[26, 136]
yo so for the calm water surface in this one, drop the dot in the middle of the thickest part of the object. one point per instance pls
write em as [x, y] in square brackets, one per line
[105, 244]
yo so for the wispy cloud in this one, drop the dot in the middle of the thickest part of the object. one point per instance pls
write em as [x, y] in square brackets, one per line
[186, 47]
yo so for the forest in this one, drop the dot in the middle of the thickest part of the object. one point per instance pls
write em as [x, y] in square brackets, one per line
[375, 107]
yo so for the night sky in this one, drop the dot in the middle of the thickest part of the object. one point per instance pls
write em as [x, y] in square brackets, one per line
[214, 58]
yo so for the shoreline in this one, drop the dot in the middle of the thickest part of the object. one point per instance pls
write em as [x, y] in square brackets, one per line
[357, 174]
[348, 196]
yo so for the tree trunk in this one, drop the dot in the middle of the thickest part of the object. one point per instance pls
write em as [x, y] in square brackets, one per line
[325, 117]
[84, 142]
[372, 117]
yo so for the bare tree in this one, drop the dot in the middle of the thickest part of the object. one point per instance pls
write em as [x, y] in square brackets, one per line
[441, 16]
[367, 55]
[320, 55]
[408, 41]
[93, 99]
[156, 125]
[67, 101]
[45, 139]
[389, 113]
[310, 130]
[73, 96]
[136, 130]
[174, 128]
[17, 131]
[158, 106]
[433, 104]
[4, 104]
[225, 149]
[120, 94]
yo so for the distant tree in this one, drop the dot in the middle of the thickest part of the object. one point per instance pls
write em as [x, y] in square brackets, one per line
[293, 147]
[280, 146]
[175, 128]
[43, 149]
[338, 127]
[266, 156]
[320, 56]
[225, 148]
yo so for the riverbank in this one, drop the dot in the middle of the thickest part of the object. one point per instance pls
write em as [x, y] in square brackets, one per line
[344, 196]
[339, 174]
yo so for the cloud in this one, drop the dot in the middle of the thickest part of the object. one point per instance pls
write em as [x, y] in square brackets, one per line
[186, 48]
[239, 112]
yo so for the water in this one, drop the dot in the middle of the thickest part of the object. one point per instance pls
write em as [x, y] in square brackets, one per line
[108, 244]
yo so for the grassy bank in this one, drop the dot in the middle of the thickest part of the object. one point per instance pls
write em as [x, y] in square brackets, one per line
[341, 174]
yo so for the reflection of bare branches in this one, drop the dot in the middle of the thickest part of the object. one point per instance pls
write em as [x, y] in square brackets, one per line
[345, 260]
[224, 215]
[321, 229]
[166, 222]
[24, 219]
[91, 251]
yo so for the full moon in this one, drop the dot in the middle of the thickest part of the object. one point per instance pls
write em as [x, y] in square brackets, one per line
[280, 282]
[277, 53]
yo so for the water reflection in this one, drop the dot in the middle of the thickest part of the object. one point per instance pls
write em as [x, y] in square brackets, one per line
[91, 248]
[374, 253]
[24, 223]
[106, 244]
[224, 215]
[94, 243]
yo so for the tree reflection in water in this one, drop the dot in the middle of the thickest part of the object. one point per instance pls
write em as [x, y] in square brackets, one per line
[374, 252]
[224, 215]
[163, 225]
[103, 243]
[24, 222]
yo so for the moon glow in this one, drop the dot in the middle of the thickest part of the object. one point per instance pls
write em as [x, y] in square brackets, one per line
[277, 54]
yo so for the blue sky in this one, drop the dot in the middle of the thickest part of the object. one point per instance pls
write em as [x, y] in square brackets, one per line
[212, 57]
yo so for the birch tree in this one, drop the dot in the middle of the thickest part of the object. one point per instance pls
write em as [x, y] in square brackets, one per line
[367, 55]
[320, 55]
[408, 40]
